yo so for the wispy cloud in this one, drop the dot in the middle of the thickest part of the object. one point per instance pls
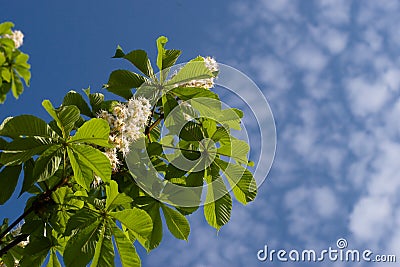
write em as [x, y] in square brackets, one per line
[331, 73]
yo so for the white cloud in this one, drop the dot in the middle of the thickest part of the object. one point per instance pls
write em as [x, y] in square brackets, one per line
[309, 57]
[330, 70]
[371, 219]
[366, 97]
[329, 37]
[335, 12]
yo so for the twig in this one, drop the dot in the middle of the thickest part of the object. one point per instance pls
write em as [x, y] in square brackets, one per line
[15, 242]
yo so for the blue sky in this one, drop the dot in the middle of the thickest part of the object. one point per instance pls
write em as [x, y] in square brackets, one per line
[330, 71]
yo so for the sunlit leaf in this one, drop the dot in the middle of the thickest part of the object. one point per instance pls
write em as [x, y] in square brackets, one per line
[177, 224]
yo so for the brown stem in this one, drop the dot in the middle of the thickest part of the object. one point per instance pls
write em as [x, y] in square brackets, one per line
[15, 242]
[42, 200]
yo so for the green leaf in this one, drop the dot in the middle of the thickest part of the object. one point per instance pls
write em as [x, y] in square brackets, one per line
[177, 224]
[240, 179]
[65, 117]
[141, 61]
[17, 87]
[53, 260]
[81, 246]
[73, 98]
[24, 73]
[170, 57]
[169, 103]
[29, 179]
[114, 198]
[80, 220]
[193, 70]
[35, 252]
[94, 159]
[83, 175]
[6, 74]
[47, 164]
[156, 234]
[119, 52]
[22, 60]
[5, 27]
[236, 149]
[121, 82]
[26, 125]
[8, 182]
[217, 209]
[95, 99]
[135, 220]
[161, 41]
[67, 204]
[126, 250]
[2, 60]
[187, 93]
[104, 252]
[95, 132]
[22, 149]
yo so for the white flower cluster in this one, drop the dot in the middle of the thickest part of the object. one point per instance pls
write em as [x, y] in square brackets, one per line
[127, 122]
[17, 231]
[17, 37]
[212, 65]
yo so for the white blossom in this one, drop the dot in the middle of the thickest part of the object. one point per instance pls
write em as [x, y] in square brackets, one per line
[17, 231]
[211, 64]
[17, 37]
[208, 83]
[113, 157]
[127, 122]
[96, 181]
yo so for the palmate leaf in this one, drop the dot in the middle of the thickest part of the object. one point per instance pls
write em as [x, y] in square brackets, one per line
[26, 125]
[193, 70]
[48, 162]
[85, 160]
[17, 87]
[80, 220]
[8, 182]
[63, 197]
[156, 234]
[22, 149]
[136, 220]
[81, 247]
[35, 252]
[73, 98]
[241, 180]
[95, 132]
[236, 149]
[170, 57]
[161, 41]
[65, 117]
[187, 93]
[121, 82]
[177, 224]
[217, 209]
[29, 179]
[114, 198]
[53, 259]
[126, 250]
[95, 100]
[139, 59]
[104, 252]
[5, 27]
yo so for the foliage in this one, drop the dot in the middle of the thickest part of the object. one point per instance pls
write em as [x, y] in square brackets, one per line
[14, 65]
[89, 200]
